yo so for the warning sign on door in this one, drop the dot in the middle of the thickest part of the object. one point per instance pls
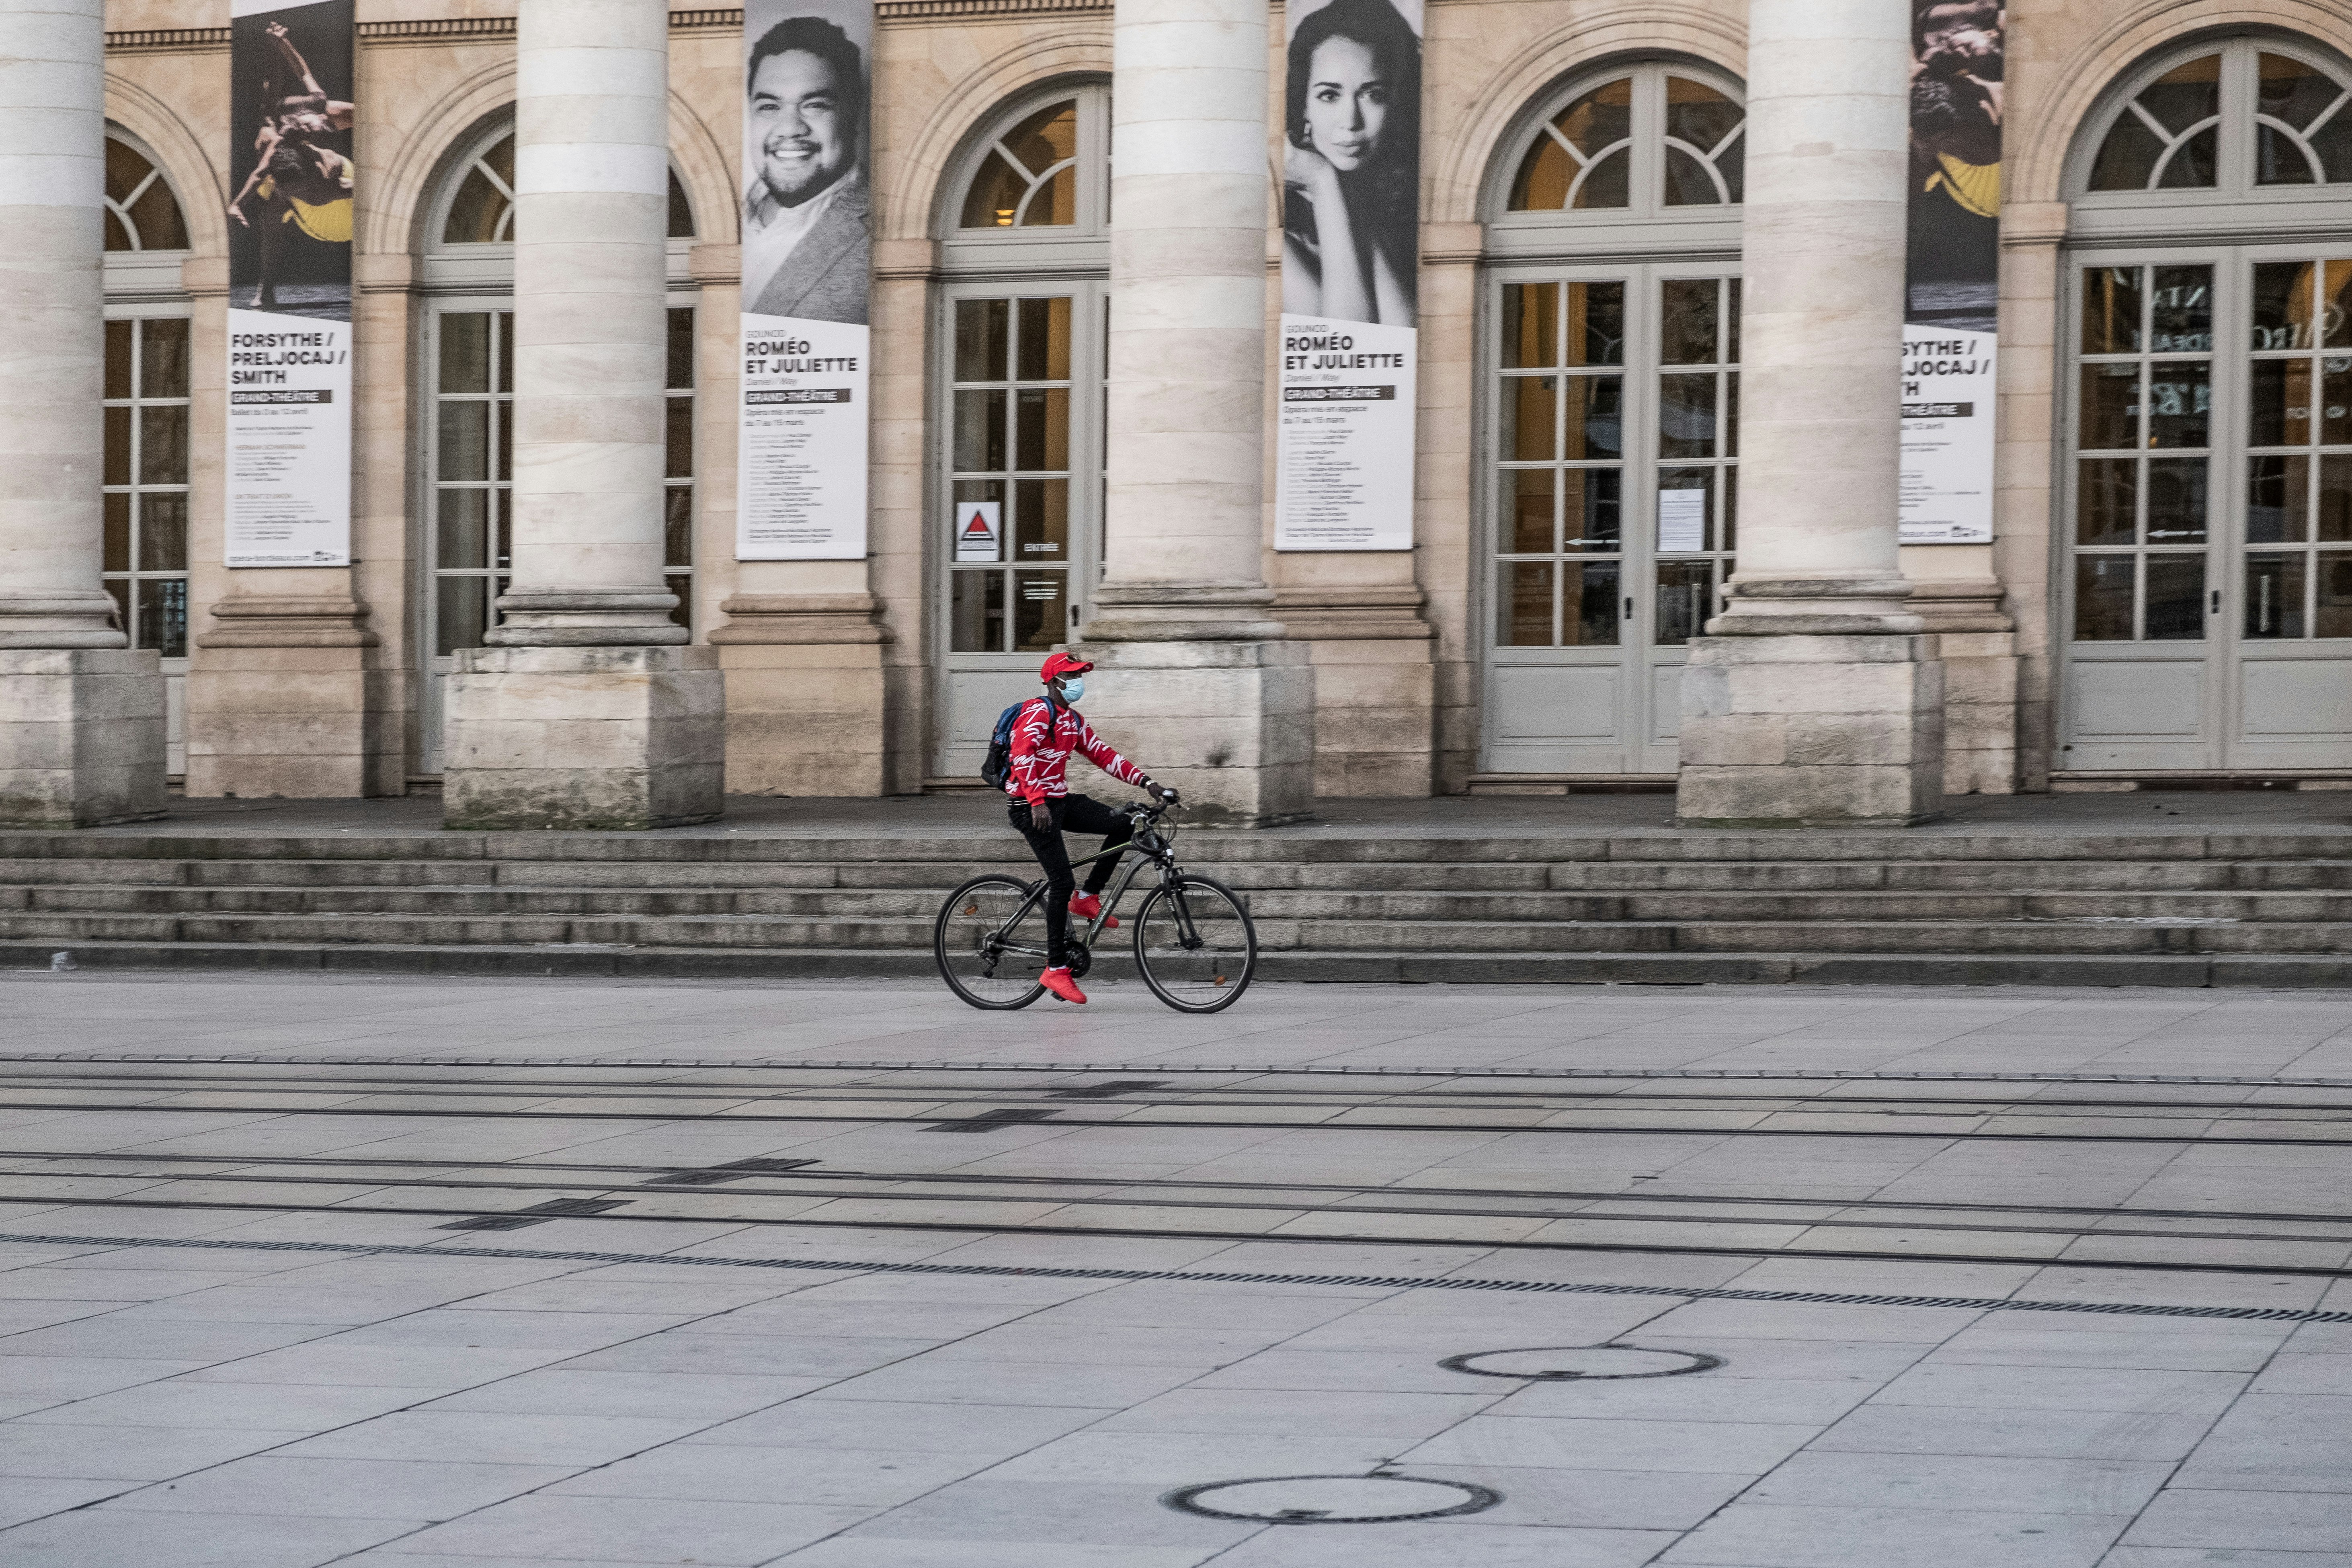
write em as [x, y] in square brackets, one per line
[979, 531]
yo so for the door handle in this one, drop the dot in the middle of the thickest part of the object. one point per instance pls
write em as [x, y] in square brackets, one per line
[2216, 608]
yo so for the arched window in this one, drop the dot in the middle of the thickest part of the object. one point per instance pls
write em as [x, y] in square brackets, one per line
[467, 388]
[1026, 252]
[1611, 415]
[145, 477]
[2207, 494]
[1652, 137]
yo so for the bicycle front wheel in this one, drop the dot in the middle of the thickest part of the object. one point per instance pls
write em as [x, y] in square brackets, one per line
[990, 940]
[1195, 945]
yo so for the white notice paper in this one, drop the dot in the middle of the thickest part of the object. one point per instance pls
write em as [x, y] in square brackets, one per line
[801, 484]
[289, 441]
[979, 531]
[1344, 438]
[1949, 392]
[1681, 522]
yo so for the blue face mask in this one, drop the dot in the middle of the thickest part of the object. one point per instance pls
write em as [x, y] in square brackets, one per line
[1073, 687]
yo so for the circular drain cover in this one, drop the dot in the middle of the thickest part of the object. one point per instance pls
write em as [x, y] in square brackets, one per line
[1332, 1499]
[1581, 1362]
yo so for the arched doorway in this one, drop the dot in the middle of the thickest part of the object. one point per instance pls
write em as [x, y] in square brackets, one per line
[1019, 409]
[465, 376]
[2207, 584]
[1610, 414]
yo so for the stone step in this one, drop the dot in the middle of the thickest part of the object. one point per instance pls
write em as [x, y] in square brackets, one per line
[1275, 933]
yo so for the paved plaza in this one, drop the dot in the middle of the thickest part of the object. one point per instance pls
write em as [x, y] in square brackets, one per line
[468, 1273]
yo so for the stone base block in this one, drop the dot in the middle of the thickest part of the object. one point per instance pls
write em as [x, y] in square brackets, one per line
[296, 722]
[1230, 724]
[806, 719]
[1831, 730]
[81, 737]
[584, 738]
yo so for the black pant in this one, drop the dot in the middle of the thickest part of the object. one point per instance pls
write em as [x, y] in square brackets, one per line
[1075, 813]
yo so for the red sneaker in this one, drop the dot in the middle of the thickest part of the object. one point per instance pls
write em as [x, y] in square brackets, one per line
[1059, 982]
[1085, 906]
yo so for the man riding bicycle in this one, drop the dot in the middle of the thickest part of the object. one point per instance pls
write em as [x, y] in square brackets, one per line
[1046, 732]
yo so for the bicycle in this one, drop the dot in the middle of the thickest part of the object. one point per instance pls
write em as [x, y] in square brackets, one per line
[1193, 941]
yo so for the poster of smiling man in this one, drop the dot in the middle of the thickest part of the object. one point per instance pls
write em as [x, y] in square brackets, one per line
[1351, 225]
[807, 262]
[1952, 284]
[289, 305]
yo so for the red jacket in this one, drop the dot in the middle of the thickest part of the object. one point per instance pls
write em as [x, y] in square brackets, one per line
[1044, 736]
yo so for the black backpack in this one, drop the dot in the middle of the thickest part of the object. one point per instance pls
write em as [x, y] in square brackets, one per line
[997, 766]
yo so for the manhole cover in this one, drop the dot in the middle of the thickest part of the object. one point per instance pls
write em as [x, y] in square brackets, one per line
[1573, 1362]
[1332, 1499]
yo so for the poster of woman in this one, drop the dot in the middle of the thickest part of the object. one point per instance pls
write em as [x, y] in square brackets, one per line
[1351, 228]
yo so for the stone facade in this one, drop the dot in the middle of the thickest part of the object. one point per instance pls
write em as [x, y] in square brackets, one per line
[314, 681]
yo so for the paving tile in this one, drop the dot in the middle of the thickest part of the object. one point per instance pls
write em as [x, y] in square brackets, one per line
[1183, 1459]
[354, 1489]
[2202, 1557]
[878, 1478]
[878, 1551]
[2064, 1388]
[24, 1498]
[824, 1422]
[2277, 1442]
[760, 1355]
[2245, 1521]
[634, 1530]
[78, 1377]
[267, 1407]
[1757, 1535]
[563, 1391]
[1956, 1481]
[2015, 1343]
[439, 1368]
[1700, 1397]
[997, 1508]
[926, 1381]
[129, 1453]
[1594, 1499]
[1559, 1443]
[160, 1341]
[1453, 1541]
[2016, 1433]
[495, 1437]
[1291, 1410]
[130, 1538]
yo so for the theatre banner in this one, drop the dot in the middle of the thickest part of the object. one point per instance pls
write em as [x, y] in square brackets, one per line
[1351, 258]
[807, 266]
[289, 276]
[1952, 286]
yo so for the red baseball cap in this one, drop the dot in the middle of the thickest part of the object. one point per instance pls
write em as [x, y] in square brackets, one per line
[1061, 664]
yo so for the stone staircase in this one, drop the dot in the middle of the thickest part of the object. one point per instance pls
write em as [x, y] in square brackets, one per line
[2180, 908]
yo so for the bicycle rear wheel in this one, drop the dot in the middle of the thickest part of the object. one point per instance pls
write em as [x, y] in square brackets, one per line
[1195, 945]
[989, 946]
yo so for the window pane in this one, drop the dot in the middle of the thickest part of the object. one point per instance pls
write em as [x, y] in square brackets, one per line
[2180, 310]
[2279, 159]
[1688, 182]
[2336, 298]
[1732, 321]
[2193, 162]
[1531, 325]
[1698, 114]
[1046, 339]
[118, 358]
[1591, 509]
[2282, 305]
[474, 219]
[2280, 395]
[2110, 406]
[1040, 619]
[1596, 323]
[681, 351]
[2180, 403]
[1685, 592]
[682, 612]
[678, 526]
[1730, 522]
[2293, 91]
[993, 199]
[2176, 599]
[465, 352]
[2105, 502]
[1528, 417]
[1590, 590]
[980, 334]
[980, 430]
[1685, 509]
[2111, 310]
[976, 613]
[2277, 510]
[1687, 416]
[115, 466]
[1541, 183]
[2274, 595]
[120, 588]
[465, 441]
[1525, 604]
[164, 617]
[2335, 407]
[463, 612]
[163, 445]
[1595, 416]
[1607, 184]
[2128, 157]
[2335, 497]
[2186, 95]
[678, 454]
[1599, 120]
[1040, 522]
[1526, 511]
[1688, 321]
[163, 359]
[1055, 203]
[118, 533]
[163, 533]
[462, 537]
[2333, 616]
[2176, 500]
[1042, 428]
[1046, 137]
[2102, 598]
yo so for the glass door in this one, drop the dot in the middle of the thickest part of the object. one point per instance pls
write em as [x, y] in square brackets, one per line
[1020, 516]
[1613, 436]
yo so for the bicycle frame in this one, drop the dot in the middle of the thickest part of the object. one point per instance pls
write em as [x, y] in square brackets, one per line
[1163, 859]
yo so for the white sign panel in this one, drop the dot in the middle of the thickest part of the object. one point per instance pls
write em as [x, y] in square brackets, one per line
[807, 263]
[289, 441]
[1949, 392]
[1351, 257]
[979, 531]
[1681, 522]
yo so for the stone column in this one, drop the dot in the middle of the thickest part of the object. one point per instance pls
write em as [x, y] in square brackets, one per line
[1814, 699]
[1198, 684]
[81, 716]
[587, 712]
